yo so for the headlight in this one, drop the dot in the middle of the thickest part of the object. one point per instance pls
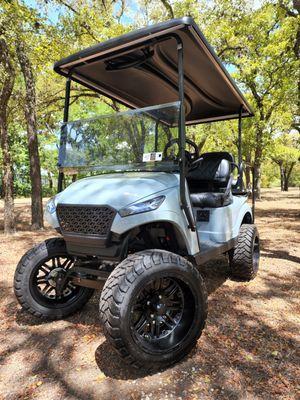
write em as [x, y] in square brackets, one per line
[50, 205]
[145, 206]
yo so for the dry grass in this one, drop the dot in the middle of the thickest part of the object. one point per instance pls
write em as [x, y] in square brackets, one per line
[247, 351]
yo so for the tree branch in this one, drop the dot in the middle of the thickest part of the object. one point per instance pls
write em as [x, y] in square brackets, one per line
[169, 8]
[84, 24]
[288, 11]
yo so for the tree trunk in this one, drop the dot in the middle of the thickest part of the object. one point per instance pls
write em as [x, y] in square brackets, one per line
[248, 171]
[248, 176]
[286, 185]
[257, 181]
[281, 177]
[257, 173]
[287, 175]
[50, 180]
[7, 180]
[34, 159]
[257, 164]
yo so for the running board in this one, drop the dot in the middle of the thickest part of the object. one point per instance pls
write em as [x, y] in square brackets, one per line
[210, 250]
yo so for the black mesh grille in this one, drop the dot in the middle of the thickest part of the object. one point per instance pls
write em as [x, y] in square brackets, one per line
[88, 220]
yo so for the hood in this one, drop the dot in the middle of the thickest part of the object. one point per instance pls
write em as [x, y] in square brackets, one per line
[117, 190]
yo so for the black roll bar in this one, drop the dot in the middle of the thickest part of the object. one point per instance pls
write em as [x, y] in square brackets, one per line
[240, 136]
[181, 134]
[253, 194]
[65, 120]
[240, 167]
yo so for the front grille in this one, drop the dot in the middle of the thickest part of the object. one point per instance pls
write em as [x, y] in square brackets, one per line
[87, 220]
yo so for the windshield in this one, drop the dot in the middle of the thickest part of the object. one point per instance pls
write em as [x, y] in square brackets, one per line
[127, 141]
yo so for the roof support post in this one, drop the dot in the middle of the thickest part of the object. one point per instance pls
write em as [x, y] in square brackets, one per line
[241, 170]
[182, 183]
[240, 135]
[156, 136]
[62, 138]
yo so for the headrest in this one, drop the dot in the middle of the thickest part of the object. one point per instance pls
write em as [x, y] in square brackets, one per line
[221, 155]
[223, 171]
[214, 166]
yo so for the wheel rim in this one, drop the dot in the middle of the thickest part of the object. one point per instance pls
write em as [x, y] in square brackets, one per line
[44, 281]
[162, 314]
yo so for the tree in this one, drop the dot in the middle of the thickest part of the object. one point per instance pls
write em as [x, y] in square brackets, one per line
[286, 154]
[30, 115]
[291, 11]
[20, 22]
[7, 84]
[258, 46]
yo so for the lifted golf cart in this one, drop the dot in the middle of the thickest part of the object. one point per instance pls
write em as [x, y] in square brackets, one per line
[153, 209]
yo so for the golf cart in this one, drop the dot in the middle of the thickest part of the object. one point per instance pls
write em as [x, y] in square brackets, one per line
[153, 209]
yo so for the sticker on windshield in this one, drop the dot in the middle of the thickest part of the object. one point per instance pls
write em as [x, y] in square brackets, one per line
[155, 156]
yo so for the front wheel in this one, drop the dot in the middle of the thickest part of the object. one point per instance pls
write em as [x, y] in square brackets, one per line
[36, 277]
[153, 308]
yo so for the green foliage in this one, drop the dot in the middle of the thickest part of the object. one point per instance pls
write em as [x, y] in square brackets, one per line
[285, 152]
[256, 40]
[270, 175]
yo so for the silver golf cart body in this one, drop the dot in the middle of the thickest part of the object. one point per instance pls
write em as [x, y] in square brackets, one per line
[223, 225]
[141, 69]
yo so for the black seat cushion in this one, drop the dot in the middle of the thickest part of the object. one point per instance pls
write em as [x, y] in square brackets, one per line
[210, 199]
[208, 182]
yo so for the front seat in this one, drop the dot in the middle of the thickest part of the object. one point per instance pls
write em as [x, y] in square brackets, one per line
[210, 183]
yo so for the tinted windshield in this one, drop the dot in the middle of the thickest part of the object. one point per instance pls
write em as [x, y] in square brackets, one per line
[133, 140]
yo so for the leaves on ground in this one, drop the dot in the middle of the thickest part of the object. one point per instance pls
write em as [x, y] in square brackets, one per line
[247, 350]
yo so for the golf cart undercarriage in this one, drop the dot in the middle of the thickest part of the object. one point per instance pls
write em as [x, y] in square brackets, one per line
[146, 228]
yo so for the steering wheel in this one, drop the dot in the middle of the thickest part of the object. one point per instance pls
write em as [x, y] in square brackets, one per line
[190, 158]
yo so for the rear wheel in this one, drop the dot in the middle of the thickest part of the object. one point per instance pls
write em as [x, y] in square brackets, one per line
[36, 278]
[153, 308]
[244, 258]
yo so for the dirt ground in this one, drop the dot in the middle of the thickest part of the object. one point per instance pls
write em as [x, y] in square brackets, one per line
[248, 349]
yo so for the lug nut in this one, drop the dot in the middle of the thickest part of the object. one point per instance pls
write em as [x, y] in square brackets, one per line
[160, 296]
[152, 315]
[148, 303]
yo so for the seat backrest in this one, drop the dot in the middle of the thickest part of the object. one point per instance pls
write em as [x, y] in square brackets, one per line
[213, 171]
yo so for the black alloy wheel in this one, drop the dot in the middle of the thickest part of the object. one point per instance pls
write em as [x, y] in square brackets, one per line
[153, 308]
[162, 313]
[47, 278]
[40, 285]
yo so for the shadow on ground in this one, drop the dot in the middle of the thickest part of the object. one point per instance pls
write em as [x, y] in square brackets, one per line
[247, 350]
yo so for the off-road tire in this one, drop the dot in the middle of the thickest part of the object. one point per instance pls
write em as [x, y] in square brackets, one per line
[22, 286]
[122, 286]
[244, 258]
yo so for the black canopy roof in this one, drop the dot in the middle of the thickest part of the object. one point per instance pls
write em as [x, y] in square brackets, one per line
[139, 69]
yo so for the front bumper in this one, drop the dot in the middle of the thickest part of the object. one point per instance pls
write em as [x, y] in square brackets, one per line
[87, 229]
